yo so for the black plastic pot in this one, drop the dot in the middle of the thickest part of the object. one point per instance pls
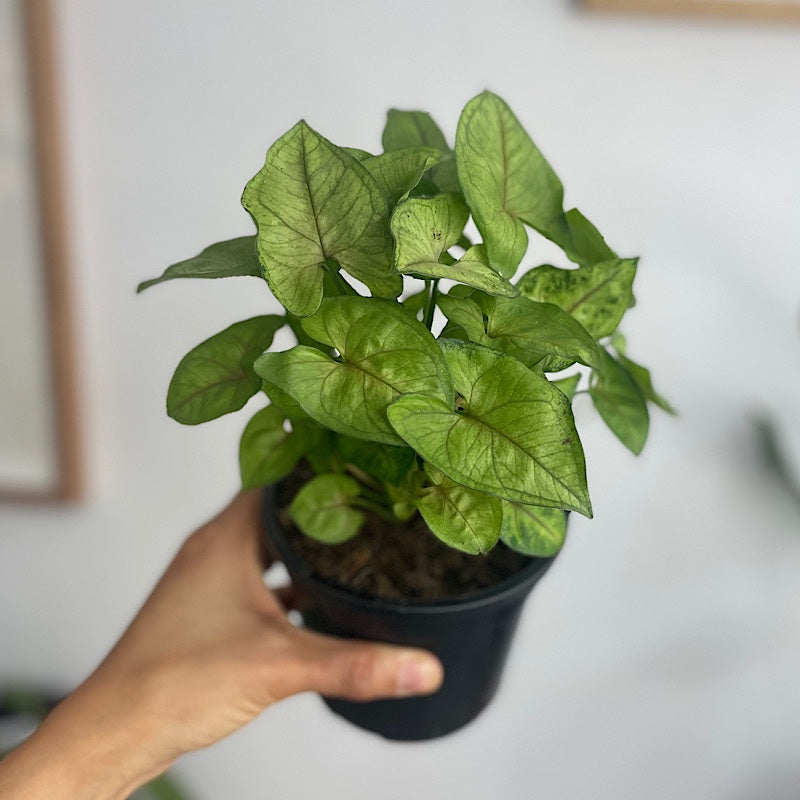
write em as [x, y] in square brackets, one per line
[471, 635]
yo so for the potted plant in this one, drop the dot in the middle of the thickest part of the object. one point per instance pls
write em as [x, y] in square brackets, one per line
[427, 401]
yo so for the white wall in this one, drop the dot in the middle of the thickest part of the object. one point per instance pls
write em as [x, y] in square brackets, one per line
[659, 658]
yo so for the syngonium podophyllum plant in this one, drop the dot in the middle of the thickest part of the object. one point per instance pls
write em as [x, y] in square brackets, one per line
[469, 425]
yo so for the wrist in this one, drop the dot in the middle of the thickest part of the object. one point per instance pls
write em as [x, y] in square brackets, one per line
[94, 745]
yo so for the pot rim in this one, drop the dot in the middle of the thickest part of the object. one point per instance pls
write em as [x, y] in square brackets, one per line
[533, 570]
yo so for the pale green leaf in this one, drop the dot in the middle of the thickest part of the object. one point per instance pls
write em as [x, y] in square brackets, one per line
[534, 333]
[462, 518]
[417, 129]
[621, 404]
[314, 204]
[533, 530]
[473, 269]
[322, 508]
[384, 352]
[399, 171]
[228, 259]
[217, 376]
[268, 452]
[426, 228]
[597, 296]
[510, 432]
[506, 180]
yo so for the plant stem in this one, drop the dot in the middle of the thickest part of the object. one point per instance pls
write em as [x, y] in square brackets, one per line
[430, 307]
[359, 473]
[339, 280]
[375, 508]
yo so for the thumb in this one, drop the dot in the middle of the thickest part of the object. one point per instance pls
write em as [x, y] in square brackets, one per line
[357, 670]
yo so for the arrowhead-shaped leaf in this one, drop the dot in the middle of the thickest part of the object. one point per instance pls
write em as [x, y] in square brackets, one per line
[217, 376]
[506, 180]
[322, 508]
[268, 452]
[533, 530]
[510, 433]
[534, 333]
[462, 518]
[314, 203]
[399, 171]
[415, 129]
[426, 228]
[620, 403]
[227, 259]
[384, 353]
[597, 296]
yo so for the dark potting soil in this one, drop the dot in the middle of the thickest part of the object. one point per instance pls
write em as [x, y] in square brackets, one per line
[397, 561]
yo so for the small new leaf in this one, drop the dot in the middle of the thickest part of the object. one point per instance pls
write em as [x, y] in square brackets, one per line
[621, 404]
[417, 129]
[462, 518]
[424, 230]
[322, 508]
[228, 259]
[217, 376]
[533, 530]
[399, 171]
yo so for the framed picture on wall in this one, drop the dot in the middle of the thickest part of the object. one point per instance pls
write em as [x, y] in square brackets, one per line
[38, 415]
[776, 10]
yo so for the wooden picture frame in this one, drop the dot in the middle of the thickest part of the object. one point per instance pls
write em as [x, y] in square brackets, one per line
[767, 10]
[39, 431]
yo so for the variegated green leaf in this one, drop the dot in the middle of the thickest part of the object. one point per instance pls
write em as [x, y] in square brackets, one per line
[534, 333]
[510, 432]
[268, 452]
[621, 404]
[315, 205]
[417, 129]
[217, 376]
[384, 352]
[323, 510]
[462, 518]
[533, 530]
[505, 179]
[597, 296]
[228, 259]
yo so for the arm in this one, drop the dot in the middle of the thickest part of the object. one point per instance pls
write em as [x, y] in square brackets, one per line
[210, 649]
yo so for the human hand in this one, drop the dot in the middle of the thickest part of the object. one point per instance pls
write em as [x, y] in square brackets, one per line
[210, 649]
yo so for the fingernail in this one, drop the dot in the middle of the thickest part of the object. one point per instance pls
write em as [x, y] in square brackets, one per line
[418, 676]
